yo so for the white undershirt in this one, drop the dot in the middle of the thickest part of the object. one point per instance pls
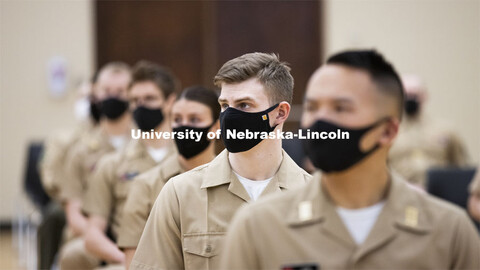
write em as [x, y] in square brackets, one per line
[253, 187]
[158, 154]
[359, 222]
[117, 141]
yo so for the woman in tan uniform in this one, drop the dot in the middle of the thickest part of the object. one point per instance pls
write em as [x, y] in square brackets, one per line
[196, 109]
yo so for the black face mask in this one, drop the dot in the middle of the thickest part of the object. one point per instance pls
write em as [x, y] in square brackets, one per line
[113, 108]
[240, 121]
[334, 155]
[189, 148]
[95, 112]
[412, 106]
[146, 118]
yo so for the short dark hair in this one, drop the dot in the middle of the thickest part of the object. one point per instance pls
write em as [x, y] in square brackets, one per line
[162, 77]
[202, 95]
[267, 68]
[381, 71]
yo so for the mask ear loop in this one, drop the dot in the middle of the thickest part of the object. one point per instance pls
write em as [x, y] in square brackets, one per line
[268, 117]
[376, 124]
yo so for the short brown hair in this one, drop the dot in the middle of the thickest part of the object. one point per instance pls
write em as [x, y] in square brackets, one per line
[114, 67]
[162, 77]
[267, 68]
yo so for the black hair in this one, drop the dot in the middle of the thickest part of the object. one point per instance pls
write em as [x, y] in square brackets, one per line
[381, 71]
[203, 95]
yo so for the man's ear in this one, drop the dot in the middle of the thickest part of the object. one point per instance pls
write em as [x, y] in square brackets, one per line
[283, 110]
[167, 109]
[390, 132]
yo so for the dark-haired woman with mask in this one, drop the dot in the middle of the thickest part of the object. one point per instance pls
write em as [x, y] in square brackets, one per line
[197, 110]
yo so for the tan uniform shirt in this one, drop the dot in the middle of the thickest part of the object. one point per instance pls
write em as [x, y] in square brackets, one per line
[302, 228]
[423, 144]
[108, 188]
[187, 225]
[52, 165]
[81, 162]
[141, 197]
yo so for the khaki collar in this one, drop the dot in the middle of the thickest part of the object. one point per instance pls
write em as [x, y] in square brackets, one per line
[98, 139]
[171, 166]
[219, 172]
[403, 210]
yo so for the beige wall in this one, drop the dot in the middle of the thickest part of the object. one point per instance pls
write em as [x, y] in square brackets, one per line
[439, 40]
[31, 33]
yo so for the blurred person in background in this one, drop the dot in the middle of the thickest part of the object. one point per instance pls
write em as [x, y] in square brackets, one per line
[111, 134]
[195, 109]
[188, 222]
[423, 142]
[151, 94]
[52, 169]
[357, 214]
[474, 198]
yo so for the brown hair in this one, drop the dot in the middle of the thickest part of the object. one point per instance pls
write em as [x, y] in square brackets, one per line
[160, 76]
[202, 95]
[267, 68]
[114, 67]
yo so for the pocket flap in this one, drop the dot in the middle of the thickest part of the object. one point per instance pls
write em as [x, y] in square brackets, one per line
[205, 245]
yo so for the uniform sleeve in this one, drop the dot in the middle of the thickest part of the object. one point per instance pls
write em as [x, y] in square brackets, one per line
[239, 252]
[160, 246]
[71, 187]
[466, 246]
[99, 195]
[52, 164]
[135, 214]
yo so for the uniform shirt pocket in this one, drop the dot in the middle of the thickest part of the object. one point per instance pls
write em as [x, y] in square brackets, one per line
[201, 249]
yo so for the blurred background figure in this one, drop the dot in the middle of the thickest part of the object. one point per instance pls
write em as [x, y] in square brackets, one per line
[52, 171]
[424, 142]
[111, 134]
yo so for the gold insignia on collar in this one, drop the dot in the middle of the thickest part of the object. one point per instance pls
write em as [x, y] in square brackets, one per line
[264, 117]
[305, 210]
[411, 216]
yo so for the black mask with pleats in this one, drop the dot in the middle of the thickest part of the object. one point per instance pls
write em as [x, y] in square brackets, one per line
[113, 107]
[334, 155]
[147, 119]
[189, 148]
[240, 121]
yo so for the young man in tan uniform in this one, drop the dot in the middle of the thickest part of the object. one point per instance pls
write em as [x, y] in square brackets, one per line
[196, 109]
[52, 169]
[110, 92]
[188, 222]
[358, 215]
[423, 142]
[151, 94]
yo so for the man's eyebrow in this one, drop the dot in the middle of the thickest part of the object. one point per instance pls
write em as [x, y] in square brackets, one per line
[221, 100]
[343, 100]
[242, 99]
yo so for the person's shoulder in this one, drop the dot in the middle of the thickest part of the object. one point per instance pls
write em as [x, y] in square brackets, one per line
[191, 178]
[280, 206]
[437, 210]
